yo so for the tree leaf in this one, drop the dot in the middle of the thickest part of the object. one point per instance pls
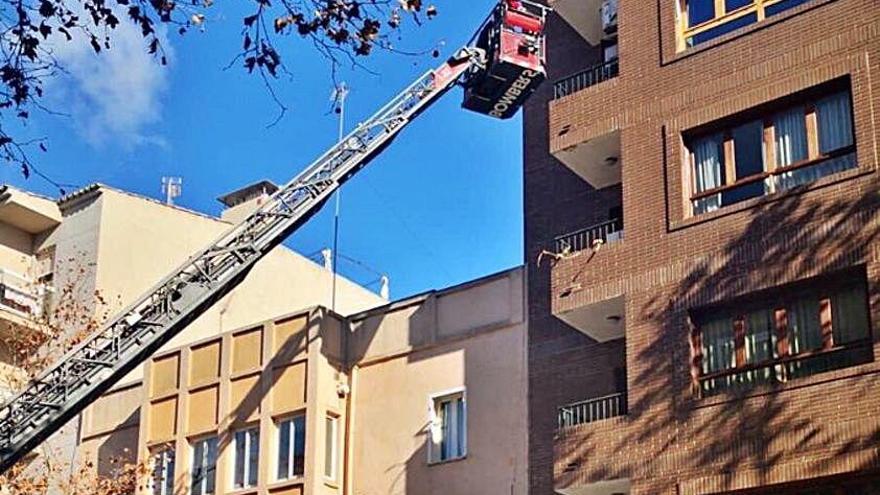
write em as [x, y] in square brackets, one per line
[46, 9]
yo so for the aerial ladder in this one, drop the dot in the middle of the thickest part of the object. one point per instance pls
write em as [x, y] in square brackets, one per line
[499, 69]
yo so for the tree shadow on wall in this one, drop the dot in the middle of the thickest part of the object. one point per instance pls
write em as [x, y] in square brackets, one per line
[743, 437]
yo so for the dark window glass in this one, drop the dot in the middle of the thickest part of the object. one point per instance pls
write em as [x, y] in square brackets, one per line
[284, 450]
[723, 29]
[163, 472]
[291, 447]
[748, 141]
[204, 466]
[299, 445]
[700, 11]
[742, 193]
[732, 5]
[834, 114]
[782, 6]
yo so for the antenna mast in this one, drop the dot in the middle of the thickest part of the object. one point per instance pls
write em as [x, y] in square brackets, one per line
[172, 187]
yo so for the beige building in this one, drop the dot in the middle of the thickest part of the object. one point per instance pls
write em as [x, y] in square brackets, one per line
[422, 396]
[93, 251]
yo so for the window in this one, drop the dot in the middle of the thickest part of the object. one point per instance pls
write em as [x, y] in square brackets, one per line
[449, 427]
[700, 21]
[291, 447]
[247, 458]
[331, 439]
[797, 333]
[162, 478]
[792, 145]
[204, 466]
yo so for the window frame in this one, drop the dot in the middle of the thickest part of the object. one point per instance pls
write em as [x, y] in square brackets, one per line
[777, 302]
[765, 114]
[291, 452]
[204, 480]
[685, 32]
[160, 459]
[247, 431]
[435, 433]
[331, 441]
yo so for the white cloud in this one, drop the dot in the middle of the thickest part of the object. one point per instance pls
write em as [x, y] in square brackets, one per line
[113, 97]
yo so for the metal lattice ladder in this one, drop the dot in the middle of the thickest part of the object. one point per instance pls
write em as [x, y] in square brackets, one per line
[91, 369]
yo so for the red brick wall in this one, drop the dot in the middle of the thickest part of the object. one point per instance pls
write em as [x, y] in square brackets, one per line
[673, 442]
[565, 366]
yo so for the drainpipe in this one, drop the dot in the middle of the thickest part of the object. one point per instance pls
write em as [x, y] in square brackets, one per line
[348, 451]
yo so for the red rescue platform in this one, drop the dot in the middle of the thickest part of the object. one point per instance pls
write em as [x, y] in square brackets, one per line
[513, 39]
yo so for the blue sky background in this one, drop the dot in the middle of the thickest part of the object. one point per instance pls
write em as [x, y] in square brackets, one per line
[443, 205]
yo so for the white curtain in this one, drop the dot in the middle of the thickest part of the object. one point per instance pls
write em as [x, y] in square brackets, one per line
[791, 144]
[849, 316]
[719, 352]
[834, 116]
[759, 345]
[453, 418]
[805, 332]
[707, 172]
[759, 331]
[835, 122]
[804, 335]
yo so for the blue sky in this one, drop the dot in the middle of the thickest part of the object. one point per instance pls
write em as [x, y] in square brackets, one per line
[443, 205]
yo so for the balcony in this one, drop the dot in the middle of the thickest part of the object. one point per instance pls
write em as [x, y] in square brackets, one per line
[592, 410]
[602, 321]
[594, 20]
[590, 237]
[596, 161]
[21, 296]
[586, 78]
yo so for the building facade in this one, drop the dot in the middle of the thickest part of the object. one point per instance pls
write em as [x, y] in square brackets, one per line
[425, 395]
[723, 338]
[68, 263]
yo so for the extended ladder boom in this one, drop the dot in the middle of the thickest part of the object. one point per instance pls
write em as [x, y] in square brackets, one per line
[92, 368]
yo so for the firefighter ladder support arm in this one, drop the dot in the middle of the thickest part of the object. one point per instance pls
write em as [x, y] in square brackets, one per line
[94, 366]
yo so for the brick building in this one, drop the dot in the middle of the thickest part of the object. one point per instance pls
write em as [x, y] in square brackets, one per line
[725, 340]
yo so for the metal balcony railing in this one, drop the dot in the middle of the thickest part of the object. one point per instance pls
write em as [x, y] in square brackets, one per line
[586, 78]
[580, 240]
[590, 411]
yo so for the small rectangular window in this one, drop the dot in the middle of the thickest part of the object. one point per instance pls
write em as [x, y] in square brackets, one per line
[291, 447]
[247, 458]
[204, 466]
[331, 436]
[449, 428]
[162, 478]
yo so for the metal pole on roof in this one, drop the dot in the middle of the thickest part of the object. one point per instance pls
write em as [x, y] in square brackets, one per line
[339, 96]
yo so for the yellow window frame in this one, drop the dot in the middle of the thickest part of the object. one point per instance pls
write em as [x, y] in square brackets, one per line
[722, 16]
